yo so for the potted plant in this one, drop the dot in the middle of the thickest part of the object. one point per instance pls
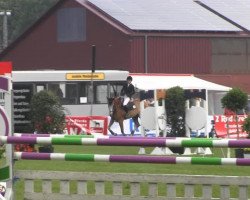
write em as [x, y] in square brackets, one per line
[235, 100]
[47, 115]
[175, 109]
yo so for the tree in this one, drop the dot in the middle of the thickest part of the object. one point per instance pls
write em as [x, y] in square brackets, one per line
[175, 109]
[47, 113]
[235, 100]
[24, 14]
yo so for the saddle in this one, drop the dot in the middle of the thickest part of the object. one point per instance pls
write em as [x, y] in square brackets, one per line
[131, 110]
[130, 106]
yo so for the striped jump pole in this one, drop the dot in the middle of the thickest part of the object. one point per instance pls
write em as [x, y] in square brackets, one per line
[132, 159]
[61, 135]
[149, 142]
[84, 136]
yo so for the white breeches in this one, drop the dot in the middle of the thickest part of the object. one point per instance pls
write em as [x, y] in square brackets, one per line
[126, 100]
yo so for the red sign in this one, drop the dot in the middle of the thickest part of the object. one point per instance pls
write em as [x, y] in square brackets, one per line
[5, 68]
[221, 122]
[87, 124]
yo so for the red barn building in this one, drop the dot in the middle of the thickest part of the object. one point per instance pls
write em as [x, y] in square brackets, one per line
[208, 38]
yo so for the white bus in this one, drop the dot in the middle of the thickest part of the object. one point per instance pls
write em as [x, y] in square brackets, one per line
[73, 87]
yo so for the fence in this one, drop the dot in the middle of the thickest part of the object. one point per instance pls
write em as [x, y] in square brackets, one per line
[135, 182]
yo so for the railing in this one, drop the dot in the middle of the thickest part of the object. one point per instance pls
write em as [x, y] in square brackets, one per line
[135, 182]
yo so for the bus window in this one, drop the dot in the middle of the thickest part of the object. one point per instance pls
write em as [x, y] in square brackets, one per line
[83, 92]
[115, 89]
[56, 89]
[101, 93]
[40, 87]
[71, 94]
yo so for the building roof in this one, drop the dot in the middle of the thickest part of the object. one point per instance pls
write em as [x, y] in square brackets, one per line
[237, 11]
[165, 15]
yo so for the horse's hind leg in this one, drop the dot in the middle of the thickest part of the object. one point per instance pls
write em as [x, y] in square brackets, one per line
[109, 127]
[137, 124]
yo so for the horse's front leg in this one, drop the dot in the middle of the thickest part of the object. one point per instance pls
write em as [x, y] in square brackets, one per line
[109, 127]
[121, 127]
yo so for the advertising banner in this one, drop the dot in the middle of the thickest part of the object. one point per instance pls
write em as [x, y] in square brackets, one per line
[99, 124]
[221, 122]
[90, 124]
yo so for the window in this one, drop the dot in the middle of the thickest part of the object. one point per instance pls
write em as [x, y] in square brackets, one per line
[83, 90]
[71, 93]
[57, 89]
[71, 25]
[115, 89]
[40, 87]
[101, 93]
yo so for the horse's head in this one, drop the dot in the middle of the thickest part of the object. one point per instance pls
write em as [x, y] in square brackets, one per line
[117, 102]
[110, 105]
[114, 102]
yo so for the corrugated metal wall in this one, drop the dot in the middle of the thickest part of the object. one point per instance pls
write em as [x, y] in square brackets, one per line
[179, 55]
[137, 58]
[230, 55]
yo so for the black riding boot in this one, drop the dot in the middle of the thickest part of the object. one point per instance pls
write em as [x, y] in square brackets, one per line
[125, 108]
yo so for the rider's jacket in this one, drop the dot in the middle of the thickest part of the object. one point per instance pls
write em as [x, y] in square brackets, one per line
[128, 90]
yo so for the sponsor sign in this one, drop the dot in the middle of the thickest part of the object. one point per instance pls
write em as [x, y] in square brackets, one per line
[221, 126]
[22, 97]
[90, 124]
[85, 76]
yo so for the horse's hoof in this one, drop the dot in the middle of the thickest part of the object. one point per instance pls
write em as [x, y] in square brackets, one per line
[124, 135]
[114, 134]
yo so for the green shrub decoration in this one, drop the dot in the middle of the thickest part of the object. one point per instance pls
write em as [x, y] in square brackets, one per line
[175, 109]
[235, 100]
[47, 113]
[2, 150]
[246, 126]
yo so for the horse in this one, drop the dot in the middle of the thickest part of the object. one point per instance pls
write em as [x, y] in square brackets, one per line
[118, 114]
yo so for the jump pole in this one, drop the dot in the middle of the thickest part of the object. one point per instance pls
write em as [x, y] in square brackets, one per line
[84, 136]
[132, 159]
[147, 142]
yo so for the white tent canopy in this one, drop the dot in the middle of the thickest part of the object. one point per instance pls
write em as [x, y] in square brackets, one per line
[165, 81]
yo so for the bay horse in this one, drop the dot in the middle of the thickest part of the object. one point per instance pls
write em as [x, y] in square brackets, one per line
[118, 114]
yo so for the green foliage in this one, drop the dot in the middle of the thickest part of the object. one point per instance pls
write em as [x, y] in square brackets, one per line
[246, 125]
[24, 14]
[235, 100]
[47, 113]
[2, 150]
[175, 109]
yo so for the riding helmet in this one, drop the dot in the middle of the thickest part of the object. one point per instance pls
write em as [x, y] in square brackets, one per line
[129, 78]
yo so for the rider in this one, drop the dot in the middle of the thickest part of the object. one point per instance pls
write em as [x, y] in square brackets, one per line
[128, 90]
